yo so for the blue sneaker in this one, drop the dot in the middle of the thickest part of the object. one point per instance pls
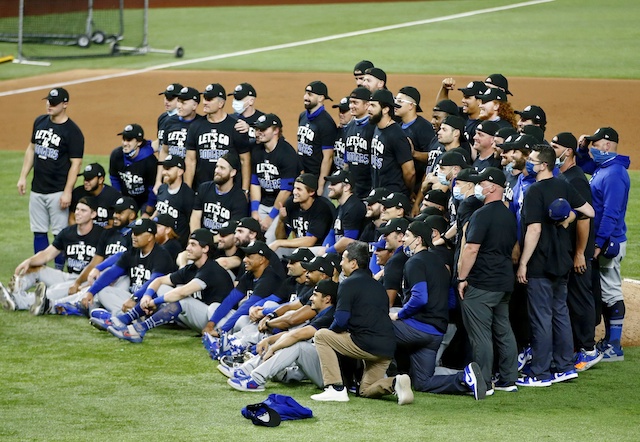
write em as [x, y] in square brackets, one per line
[212, 345]
[524, 358]
[70, 309]
[130, 333]
[246, 383]
[613, 354]
[532, 381]
[475, 381]
[232, 372]
[103, 322]
[587, 359]
[563, 376]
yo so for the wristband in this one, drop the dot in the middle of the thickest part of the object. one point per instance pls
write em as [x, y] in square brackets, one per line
[462, 280]
[274, 213]
[150, 292]
[255, 205]
[159, 300]
[272, 315]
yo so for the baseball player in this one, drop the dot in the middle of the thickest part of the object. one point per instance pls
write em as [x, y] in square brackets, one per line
[357, 141]
[375, 79]
[133, 167]
[104, 196]
[359, 70]
[55, 155]
[498, 81]
[316, 133]
[496, 108]
[170, 98]
[344, 116]
[244, 110]
[212, 137]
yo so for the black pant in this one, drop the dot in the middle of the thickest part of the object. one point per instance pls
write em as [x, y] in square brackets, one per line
[582, 309]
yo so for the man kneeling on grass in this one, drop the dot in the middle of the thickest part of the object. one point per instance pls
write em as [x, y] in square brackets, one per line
[189, 295]
[288, 350]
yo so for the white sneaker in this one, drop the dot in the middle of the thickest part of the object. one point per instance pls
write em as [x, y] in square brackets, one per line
[403, 389]
[6, 298]
[41, 304]
[330, 394]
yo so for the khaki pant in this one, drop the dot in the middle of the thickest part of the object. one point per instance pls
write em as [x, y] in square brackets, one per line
[329, 343]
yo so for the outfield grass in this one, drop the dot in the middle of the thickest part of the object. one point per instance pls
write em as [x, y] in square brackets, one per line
[565, 38]
[64, 380]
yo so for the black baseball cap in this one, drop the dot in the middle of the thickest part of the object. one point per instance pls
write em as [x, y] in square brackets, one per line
[214, 90]
[437, 196]
[301, 254]
[172, 161]
[491, 174]
[508, 143]
[133, 132]
[318, 88]
[361, 67]
[233, 159]
[524, 142]
[89, 201]
[412, 92]
[377, 73]
[421, 230]
[92, 170]
[124, 203]
[451, 158]
[394, 225]
[466, 175]
[396, 199]
[607, 133]
[228, 228]
[566, 139]
[57, 95]
[144, 225]
[437, 222]
[204, 237]
[309, 180]
[250, 223]
[535, 131]
[534, 113]
[340, 176]
[488, 127]
[319, 263]
[343, 105]
[256, 247]
[327, 287]
[243, 90]
[376, 195]
[473, 88]
[492, 94]
[189, 93]
[266, 121]
[172, 91]
[447, 106]
[454, 121]
[505, 132]
[499, 81]
[164, 219]
[383, 96]
[361, 93]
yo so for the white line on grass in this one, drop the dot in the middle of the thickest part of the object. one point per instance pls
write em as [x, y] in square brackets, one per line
[277, 47]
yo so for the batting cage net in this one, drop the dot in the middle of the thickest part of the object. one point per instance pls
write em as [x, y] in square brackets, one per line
[50, 29]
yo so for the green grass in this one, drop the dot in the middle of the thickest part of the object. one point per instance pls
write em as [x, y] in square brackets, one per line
[64, 380]
[565, 38]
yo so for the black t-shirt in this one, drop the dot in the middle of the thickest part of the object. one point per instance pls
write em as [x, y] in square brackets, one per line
[54, 147]
[339, 150]
[466, 208]
[137, 176]
[493, 226]
[575, 177]
[274, 171]
[390, 149]
[173, 247]
[78, 249]
[366, 301]
[162, 120]
[357, 145]
[178, 206]
[268, 284]
[174, 135]
[250, 121]
[211, 141]
[316, 221]
[324, 318]
[393, 271]
[435, 149]
[512, 181]
[420, 132]
[140, 268]
[350, 217]
[427, 268]
[219, 208]
[104, 200]
[490, 161]
[218, 283]
[315, 131]
[114, 241]
[553, 240]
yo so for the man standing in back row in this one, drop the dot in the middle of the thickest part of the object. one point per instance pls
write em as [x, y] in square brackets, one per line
[55, 155]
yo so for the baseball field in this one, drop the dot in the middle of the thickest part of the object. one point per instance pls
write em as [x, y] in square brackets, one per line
[64, 380]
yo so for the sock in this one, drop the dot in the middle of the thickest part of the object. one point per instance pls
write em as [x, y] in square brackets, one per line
[131, 315]
[167, 313]
[616, 312]
[40, 242]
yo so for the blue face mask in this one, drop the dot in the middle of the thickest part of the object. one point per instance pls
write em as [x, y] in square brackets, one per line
[442, 177]
[457, 194]
[509, 168]
[529, 166]
[131, 154]
[600, 157]
[477, 191]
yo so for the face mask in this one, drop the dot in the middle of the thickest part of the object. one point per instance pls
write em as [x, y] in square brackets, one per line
[509, 167]
[600, 157]
[406, 249]
[442, 177]
[457, 194]
[529, 166]
[477, 191]
[132, 154]
[560, 162]
[238, 106]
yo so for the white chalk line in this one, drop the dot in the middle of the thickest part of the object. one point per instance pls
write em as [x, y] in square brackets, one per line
[276, 47]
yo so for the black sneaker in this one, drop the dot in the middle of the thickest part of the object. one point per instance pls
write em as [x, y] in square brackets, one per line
[505, 386]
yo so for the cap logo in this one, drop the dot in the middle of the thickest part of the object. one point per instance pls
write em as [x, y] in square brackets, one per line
[138, 222]
[238, 88]
[527, 109]
[344, 101]
[129, 128]
[184, 90]
[88, 168]
[209, 88]
[391, 195]
[262, 119]
[120, 201]
[470, 85]
[54, 92]
[170, 88]
[488, 80]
